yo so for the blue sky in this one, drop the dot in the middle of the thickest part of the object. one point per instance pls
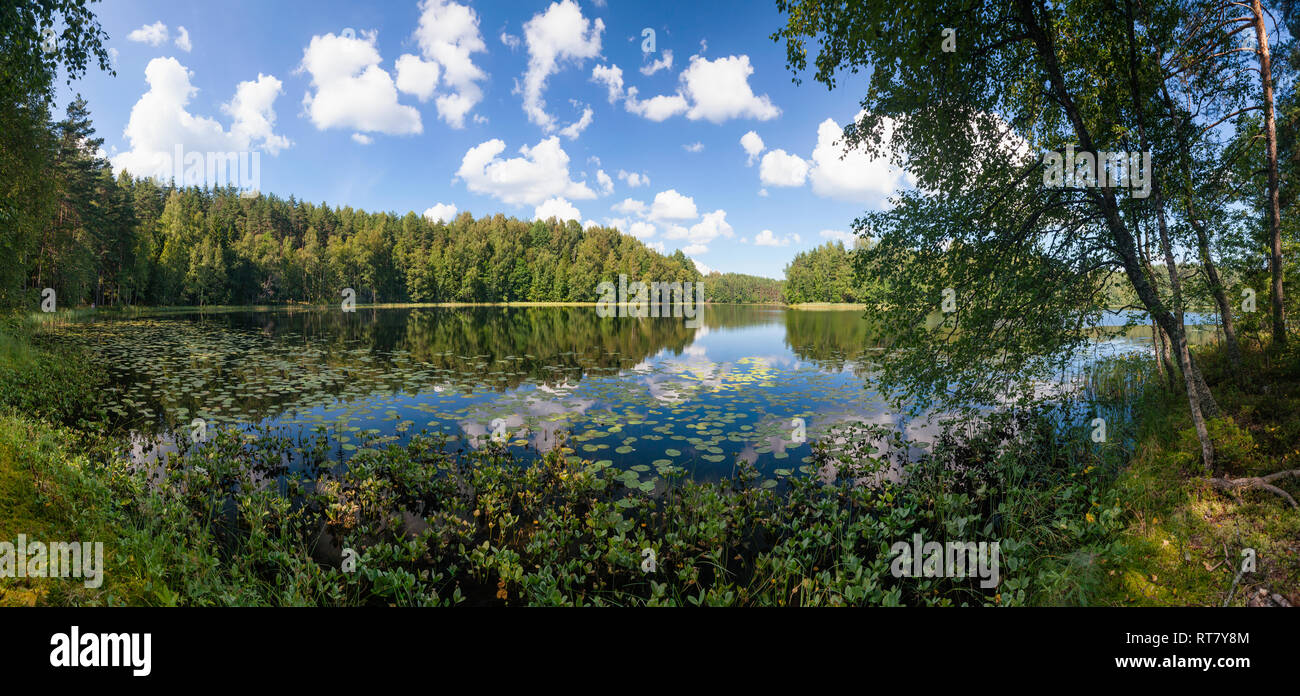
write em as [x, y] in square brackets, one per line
[423, 105]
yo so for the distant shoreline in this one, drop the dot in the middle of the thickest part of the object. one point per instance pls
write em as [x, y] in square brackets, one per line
[217, 309]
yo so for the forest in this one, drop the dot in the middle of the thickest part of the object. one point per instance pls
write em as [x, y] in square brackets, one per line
[125, 240]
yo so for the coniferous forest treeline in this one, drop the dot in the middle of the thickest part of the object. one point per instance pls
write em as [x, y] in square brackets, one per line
[101, 239]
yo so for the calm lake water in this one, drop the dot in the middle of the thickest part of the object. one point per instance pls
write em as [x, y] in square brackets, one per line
[637, 394]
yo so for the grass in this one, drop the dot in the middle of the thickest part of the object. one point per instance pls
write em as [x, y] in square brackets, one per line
[1184, 540]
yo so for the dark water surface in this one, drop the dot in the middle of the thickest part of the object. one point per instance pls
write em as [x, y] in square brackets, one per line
[638, 394]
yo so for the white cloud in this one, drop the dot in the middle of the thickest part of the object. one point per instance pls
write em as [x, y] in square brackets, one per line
[573, 130]
[449, 35]
[183, 39]
[630, 206]
[767, 238]
[153, 34]
[642, 230]
[362, 138]
[352, 91]
[611, 76]
[719, 90]
[557, 208]
[665, 63]
[694, 147]
[753, 145]
[253, 112]
[606, 183]
[699, 235]
[671, 205]
[542, 172]
[160, 120]
[780, 168]
[553, 37]
[710, 90]
[444, 212]
[633, 179]
[657, 109]
[510, 40]
[418, 77]
[701, 267]
[854, 176]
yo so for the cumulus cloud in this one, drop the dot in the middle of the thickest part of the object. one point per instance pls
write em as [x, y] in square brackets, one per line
[699, 235]
[161, 120]
[183, 39]
[768, 238]
[362, 139]
[719, 90]
[606, 183]
[558, 35]
[417, 77]
[694, 147]
[573, 130]
[673, 212]
[556, 208]
[351, 90]
[541, 172]
[643, 230]
[780, 168]
[853, 176]
[448, 34]
[441, 212]
[153, 34]
[510, 40]
[701, 267]
[664, 63]
[716, 91]
[253, 113]
[753, 146]
[657, 109]
[630, 206]
[633, 179]
[671, 205]
[611, 76]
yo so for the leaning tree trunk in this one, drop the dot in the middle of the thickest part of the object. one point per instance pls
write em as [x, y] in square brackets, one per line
[1220, 297]
[1122, 240]
[1274, 208]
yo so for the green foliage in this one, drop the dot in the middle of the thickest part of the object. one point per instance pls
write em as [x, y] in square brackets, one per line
[430, 527]
[33, 153]
[822, 275]
[131, 242]
[55, 383]
[738, 288]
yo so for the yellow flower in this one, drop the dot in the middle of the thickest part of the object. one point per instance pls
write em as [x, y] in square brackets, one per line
[1090, 518]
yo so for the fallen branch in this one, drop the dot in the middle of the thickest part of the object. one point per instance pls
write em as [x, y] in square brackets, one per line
[1263, 483]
